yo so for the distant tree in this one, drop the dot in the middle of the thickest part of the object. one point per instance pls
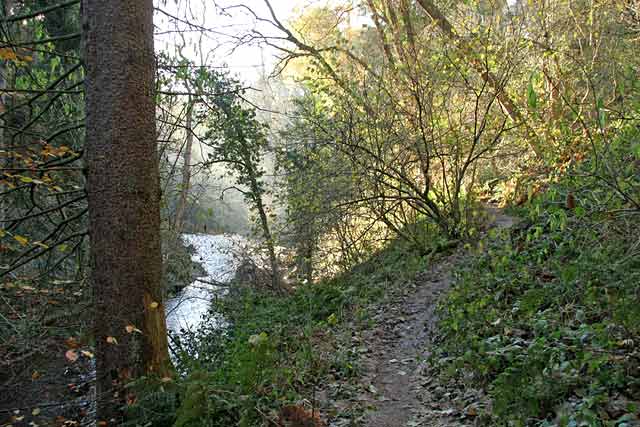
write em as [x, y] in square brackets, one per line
[185, 185]
[239, 141]
[124, 196]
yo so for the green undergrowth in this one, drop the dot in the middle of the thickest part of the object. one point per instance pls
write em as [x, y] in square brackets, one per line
[547, 320]
[276, 349]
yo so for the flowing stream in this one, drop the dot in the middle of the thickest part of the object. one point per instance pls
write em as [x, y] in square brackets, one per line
[216, 253]
[185, 311]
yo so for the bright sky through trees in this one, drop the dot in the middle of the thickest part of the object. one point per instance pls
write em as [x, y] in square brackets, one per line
[344, 165]
[226, 23]
[220, 44]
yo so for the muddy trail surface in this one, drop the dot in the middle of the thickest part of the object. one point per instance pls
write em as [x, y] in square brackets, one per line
[398, 387]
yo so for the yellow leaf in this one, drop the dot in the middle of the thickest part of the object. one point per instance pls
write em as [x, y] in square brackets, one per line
[71, 355]
[153, 305]
[8, 54]
[332, 319]
[112, 340]
[21, 239]
[87, 354]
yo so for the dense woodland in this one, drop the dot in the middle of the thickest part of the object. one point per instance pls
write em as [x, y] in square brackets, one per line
[442, 199]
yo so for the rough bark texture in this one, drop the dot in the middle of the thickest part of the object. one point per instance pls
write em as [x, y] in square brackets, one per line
[5, 105]
[3, 142]
[124, 196]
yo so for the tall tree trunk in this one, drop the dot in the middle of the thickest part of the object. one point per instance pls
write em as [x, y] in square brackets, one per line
[186, 170]
[305, 248]
[124, 197]
[266, 230]
[5, 105]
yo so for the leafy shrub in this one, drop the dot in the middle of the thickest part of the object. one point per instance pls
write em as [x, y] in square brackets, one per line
[548, 319]
[277, 348]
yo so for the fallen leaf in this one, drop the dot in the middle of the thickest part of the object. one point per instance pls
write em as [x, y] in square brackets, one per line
[131, 399]
[35, 412]
[87, 354]
[71, 355]
[131, 329]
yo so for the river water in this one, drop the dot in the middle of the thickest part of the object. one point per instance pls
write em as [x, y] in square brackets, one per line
[219, 256]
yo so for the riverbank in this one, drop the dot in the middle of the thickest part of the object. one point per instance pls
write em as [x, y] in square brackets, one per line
[217, 257]
[280, 350]
[52, 378]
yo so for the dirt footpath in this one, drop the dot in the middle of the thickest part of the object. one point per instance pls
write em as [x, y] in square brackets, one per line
[398, 388]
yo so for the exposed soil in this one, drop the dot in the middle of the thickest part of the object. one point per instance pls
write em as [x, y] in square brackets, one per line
[39, 386]
[397, 387]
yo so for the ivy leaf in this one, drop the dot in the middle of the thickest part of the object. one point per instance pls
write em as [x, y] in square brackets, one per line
[532, 97]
